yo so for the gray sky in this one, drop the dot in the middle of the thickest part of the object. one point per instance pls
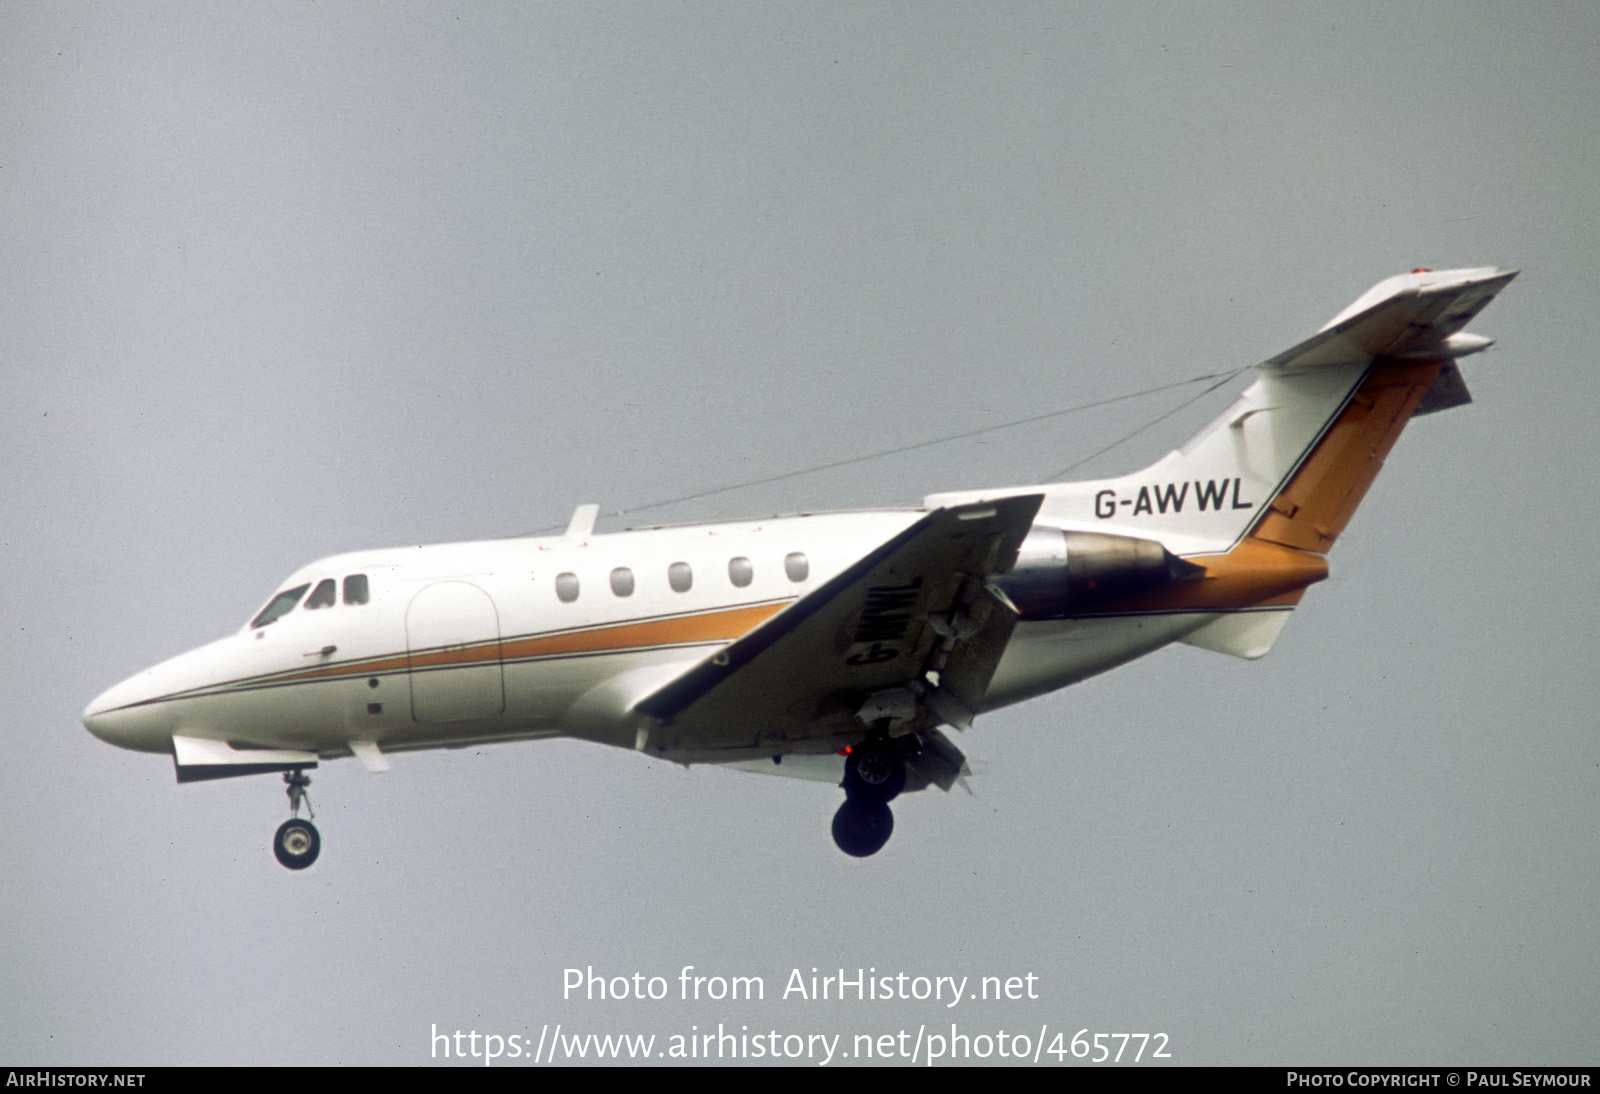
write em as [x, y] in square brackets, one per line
[287, 280]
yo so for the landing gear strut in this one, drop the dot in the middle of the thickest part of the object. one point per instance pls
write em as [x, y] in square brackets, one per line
[297, 841]
[874, 775]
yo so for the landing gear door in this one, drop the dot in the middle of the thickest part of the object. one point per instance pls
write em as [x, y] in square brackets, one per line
[453, 639]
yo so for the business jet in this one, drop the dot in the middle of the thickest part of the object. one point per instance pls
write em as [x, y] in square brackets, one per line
[837, 646]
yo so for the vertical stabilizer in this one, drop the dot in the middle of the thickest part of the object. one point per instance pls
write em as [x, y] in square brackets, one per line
[1297, 451]
[1258, 497]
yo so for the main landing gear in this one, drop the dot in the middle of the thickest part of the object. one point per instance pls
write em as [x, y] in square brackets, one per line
[874, 775]
[297, 841]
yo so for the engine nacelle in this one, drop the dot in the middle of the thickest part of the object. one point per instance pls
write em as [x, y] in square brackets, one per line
[1060, 574]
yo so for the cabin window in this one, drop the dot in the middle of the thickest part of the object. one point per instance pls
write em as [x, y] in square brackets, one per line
[796, 566]
[355, 589]
[622, 581]
[740, 572]
[567, 587]
[323, 596]
[680, 577]
[281, 605]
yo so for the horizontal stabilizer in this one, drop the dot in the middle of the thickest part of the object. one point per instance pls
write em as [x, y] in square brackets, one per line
[1412, 315]
[198, 759]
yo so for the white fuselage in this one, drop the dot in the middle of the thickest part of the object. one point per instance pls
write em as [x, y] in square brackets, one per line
[463, 643]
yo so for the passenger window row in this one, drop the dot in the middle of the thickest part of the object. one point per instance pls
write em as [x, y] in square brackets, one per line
[680, 576]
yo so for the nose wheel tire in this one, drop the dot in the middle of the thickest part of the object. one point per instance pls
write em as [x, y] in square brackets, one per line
[297, 843]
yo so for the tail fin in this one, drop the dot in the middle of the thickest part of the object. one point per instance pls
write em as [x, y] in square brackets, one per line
[1405, 333]
[1261, 494]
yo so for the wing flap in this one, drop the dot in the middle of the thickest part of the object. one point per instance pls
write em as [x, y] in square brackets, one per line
[980, 628]
[914, 605]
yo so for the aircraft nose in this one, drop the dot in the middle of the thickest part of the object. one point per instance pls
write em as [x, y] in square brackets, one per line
[122, 717]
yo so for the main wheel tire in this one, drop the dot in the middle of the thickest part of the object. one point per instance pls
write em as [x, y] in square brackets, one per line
[874, 771]
[297, 843]
[861, 828]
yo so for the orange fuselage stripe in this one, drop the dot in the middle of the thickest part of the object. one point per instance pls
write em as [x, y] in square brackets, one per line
[716, 626]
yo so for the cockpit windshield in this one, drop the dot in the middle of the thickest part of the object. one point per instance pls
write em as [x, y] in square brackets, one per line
[281, 605]
[324, 596]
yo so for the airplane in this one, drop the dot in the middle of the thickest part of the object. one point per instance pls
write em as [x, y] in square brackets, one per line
[838, 645]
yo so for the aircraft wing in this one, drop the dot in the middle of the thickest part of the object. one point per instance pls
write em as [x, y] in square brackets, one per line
[910, 633]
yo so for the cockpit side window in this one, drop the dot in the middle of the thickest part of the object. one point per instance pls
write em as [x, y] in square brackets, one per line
[355, 589]
[324, 595]
[280, 606]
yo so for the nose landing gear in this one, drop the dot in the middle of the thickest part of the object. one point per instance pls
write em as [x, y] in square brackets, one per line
[297, 841]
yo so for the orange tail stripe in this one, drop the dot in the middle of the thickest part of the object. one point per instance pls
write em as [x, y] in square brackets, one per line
[1318, 502]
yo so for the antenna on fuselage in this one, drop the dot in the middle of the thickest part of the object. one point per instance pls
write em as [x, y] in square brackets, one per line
[582, 523]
